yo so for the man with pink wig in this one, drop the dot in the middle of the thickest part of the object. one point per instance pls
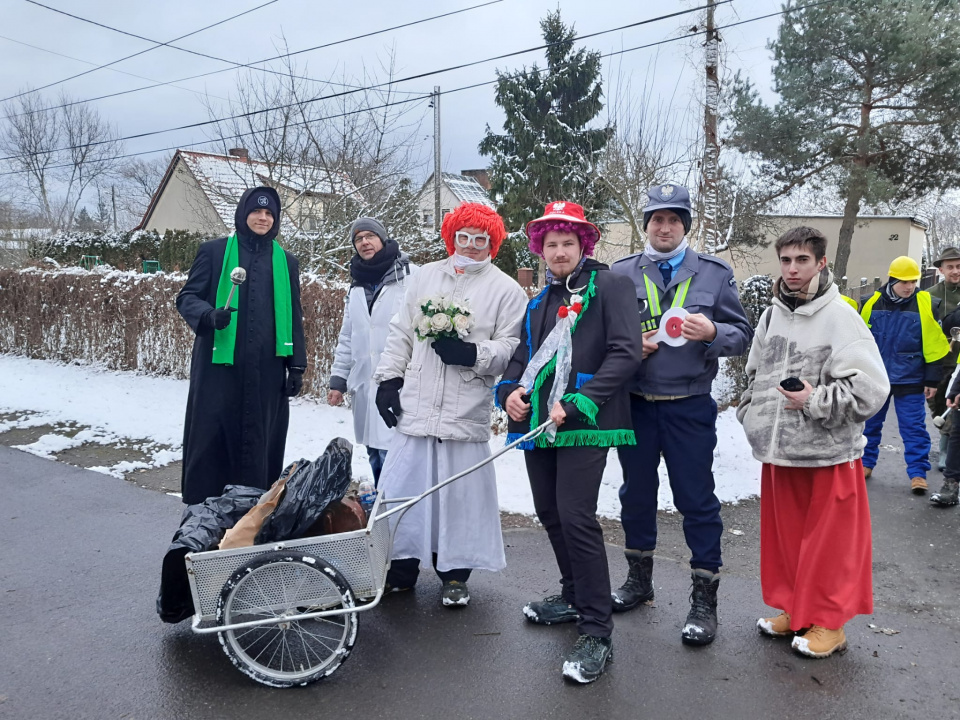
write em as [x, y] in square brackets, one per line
[580, 346]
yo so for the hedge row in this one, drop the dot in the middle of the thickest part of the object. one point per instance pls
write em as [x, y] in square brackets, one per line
[174, 250]
[129, 321]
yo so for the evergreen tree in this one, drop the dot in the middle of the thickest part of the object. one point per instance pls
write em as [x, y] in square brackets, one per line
[547, 151]
[84, 222]
[869, 104]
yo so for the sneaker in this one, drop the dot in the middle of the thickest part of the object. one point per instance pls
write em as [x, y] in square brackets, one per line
[587, 660]
[551, 610]
[918, 485]
[778, 626]
[819, 642]
[949, 494]
[867, 472]
[701, 625]
[454, 594]
[638, 587]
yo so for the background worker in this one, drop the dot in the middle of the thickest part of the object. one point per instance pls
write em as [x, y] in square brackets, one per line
[946, 299]
[912, 346]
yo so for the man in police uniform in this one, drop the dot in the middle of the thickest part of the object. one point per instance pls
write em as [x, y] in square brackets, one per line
[673, 412]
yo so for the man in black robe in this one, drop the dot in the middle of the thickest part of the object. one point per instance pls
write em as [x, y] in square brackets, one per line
[248, 358]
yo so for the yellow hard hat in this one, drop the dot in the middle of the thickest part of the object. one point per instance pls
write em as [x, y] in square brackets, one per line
[904, 268]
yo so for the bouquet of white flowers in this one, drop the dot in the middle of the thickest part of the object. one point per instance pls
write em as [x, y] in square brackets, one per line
[440, 317]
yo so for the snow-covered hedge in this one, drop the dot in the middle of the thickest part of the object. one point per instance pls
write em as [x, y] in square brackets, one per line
[756, 292]
[174, 250]
[129, 321]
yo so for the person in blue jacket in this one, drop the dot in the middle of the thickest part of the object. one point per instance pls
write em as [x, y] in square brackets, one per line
[673, 414]
[912, 346]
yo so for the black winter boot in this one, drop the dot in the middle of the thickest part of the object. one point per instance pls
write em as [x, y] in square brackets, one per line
[949, 494]
[639, 585]
[701, 625]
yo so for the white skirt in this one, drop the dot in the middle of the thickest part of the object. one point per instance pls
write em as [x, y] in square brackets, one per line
[461, 522]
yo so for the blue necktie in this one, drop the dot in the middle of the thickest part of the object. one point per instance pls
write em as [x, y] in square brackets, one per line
[666, 270]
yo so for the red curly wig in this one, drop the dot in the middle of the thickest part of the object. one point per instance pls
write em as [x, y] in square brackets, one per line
[473, 215]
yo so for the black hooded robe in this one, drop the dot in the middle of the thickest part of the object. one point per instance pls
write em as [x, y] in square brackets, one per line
[235, 429]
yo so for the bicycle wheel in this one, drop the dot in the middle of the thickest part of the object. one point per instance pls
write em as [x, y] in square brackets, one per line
[290, 652]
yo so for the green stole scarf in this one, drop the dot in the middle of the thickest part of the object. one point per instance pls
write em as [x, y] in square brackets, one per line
[224, 341]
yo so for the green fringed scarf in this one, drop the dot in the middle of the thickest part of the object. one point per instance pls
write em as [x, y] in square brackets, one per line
[571, 438]
[224, 341]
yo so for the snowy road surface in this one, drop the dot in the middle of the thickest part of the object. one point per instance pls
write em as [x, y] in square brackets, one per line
[120, 406]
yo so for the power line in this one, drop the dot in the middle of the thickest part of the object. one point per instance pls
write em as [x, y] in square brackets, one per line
[343, 93]
[235, 65]
[425, 96]
[157, 44]
[87, 62]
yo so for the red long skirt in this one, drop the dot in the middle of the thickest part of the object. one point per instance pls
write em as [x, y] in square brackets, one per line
[815, 547]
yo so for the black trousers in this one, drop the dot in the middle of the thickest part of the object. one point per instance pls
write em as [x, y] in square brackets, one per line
[404, 573]
[566, 482]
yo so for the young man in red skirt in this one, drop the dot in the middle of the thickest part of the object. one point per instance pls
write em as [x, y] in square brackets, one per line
[815, 376]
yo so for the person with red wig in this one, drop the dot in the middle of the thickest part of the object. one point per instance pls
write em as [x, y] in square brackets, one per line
[579, 347]
[436, 391]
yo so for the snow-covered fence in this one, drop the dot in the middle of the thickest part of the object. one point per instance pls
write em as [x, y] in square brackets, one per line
[129, 321]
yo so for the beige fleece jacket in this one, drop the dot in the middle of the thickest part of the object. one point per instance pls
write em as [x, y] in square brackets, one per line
[827, 344]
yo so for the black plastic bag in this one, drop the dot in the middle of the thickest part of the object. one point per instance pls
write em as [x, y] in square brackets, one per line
[313, 486]
[201, 528]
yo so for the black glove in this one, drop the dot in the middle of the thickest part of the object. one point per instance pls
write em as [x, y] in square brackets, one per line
[454, 351]
[219, 318]
[294, 382]
[388, 401]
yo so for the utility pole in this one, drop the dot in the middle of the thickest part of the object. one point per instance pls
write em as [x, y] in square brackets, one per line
[710, 170]
[113, 200]
[437, 175]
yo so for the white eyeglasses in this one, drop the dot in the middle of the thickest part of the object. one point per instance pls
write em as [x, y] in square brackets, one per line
[478, 241]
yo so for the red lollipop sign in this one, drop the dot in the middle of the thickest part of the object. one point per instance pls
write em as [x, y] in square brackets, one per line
[671, 328]
[674, 326]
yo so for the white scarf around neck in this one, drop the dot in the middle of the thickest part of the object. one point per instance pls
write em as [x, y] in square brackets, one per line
[659, 257]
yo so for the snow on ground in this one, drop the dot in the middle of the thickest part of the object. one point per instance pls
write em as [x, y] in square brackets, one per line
[125, 406]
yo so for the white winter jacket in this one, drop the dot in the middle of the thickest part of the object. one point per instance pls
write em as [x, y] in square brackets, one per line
[452, 402]
[827, 344]
[363, 335]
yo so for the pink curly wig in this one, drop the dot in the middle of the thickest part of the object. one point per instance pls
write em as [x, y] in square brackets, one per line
[473, 215]
[536, 231]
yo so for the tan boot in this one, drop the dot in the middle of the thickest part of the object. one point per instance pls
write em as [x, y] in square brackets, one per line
[778, 626]
[867, 472]
[820, 642]
[918, 485]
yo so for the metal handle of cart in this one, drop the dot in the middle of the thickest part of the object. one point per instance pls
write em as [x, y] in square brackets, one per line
[405, 504]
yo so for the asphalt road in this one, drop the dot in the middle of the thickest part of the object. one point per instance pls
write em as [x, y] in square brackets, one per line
[79, 572]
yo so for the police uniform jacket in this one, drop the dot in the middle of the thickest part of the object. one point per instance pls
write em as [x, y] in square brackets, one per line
[690, 368]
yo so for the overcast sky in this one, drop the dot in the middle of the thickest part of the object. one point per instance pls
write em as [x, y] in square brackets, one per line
[64, 46]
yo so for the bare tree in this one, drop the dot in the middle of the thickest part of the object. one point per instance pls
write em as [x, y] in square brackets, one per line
[61, 152]
[648, 146]
[331, 158]
[139, 179]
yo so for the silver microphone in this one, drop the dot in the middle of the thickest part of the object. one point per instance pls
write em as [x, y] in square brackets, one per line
[237, 276]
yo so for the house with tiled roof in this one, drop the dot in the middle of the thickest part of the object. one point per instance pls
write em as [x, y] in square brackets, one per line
[199, 193]
[468, 186]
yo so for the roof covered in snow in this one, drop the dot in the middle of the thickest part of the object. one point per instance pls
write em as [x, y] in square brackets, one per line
[224, 178]
[465, 188]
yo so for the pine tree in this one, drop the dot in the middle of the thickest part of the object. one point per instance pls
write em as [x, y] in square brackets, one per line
[547, 151]
[869, 104]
